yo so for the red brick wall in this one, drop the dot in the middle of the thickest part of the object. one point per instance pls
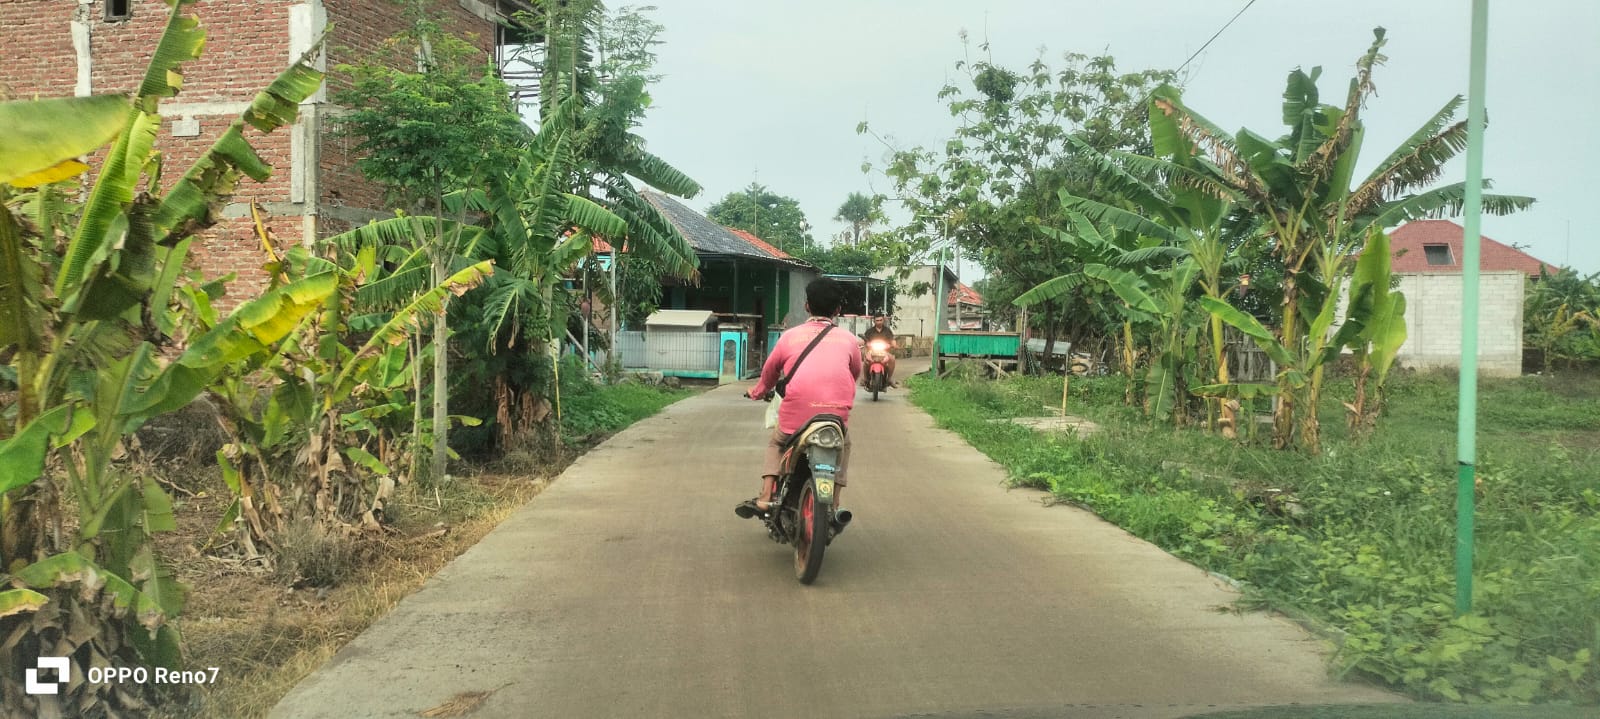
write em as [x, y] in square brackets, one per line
[247, 45]
[360, 28]
[36, 56]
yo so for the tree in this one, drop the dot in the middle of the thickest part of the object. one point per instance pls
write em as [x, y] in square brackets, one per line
[996, 183]
[765, 214]
[861, 212]
[842, 259]
[575, 180]
[442, 126]
[95, 350]
[1313, 215]
[625, 40]
[1561, 316]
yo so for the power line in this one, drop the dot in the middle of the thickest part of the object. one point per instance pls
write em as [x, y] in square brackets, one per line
[1214, 37]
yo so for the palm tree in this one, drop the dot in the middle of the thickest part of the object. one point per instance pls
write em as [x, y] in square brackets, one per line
[859, 211]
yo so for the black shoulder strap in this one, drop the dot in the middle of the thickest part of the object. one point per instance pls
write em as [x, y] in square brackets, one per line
[783, 380]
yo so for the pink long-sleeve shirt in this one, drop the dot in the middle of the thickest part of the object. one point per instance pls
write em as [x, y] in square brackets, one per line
[825, 384]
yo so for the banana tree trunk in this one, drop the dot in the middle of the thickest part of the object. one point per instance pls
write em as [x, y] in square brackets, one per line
[1127, 362]
[1310, 426]
[1283, 415]
[1228, 421]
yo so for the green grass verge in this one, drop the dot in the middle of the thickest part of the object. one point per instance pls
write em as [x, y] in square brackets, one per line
[590, 409]
[1359, 540]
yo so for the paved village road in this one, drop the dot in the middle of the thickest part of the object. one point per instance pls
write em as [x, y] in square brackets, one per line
[630, 589]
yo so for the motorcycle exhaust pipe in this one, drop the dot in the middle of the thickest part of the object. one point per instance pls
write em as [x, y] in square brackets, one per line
[841, 518]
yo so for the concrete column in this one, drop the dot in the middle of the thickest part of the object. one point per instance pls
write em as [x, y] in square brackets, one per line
[82, 27]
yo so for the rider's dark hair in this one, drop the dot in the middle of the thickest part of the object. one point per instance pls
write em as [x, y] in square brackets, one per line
[823, 297]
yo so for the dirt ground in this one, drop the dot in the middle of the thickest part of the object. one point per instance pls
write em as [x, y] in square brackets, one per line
[265, 630]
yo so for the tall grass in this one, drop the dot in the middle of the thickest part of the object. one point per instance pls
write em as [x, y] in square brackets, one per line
[1359, 540]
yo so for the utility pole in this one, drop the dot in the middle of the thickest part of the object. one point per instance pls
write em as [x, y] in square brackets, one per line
[1467, 417]
[614, 358]
[957, 253]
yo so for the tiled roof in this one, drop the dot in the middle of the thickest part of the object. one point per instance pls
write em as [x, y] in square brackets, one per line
[708, 237]
[966, 294]
[1408, 243]
[761, 244]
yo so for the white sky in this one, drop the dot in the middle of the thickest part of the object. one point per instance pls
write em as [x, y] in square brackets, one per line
[771, 90]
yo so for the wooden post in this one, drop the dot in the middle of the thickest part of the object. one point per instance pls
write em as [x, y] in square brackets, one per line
[1066, 378]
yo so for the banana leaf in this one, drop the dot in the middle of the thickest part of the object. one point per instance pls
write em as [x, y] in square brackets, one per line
[45, 138]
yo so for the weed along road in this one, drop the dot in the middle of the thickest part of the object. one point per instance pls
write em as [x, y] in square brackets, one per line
[630, 589]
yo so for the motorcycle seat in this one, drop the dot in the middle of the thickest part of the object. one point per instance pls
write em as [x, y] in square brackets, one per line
[810, 426]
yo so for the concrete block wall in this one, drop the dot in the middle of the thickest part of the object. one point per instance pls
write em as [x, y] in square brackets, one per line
[1433, 321]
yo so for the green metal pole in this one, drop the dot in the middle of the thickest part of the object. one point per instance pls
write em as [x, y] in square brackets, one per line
[938, 313]
[1467, 420]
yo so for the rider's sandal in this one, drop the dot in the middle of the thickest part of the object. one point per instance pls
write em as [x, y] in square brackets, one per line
[752, 508]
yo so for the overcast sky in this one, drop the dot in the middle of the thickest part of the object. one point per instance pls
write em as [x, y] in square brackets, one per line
[772, 90]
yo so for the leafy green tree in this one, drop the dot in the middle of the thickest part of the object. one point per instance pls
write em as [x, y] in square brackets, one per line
[765, 214]
[431, 117]
[577, 179]
[996, 182]
[625, 42]
[842, 259]
[1313, 214]
[1561, 317]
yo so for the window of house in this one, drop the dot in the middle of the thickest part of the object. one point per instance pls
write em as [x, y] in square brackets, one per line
[1438, 254]
[118, 10]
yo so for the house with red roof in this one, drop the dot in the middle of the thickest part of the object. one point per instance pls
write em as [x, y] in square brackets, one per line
[1436, 246]
[1427, 262]
[964, 307]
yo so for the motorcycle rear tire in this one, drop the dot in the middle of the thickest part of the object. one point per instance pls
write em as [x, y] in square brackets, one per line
[811, 533]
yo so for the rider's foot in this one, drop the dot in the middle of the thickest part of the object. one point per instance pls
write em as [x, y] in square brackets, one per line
[753, 507]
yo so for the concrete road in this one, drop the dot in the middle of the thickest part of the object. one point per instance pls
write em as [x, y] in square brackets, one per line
[630, 589]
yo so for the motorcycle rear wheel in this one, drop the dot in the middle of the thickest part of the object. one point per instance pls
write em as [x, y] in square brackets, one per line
[811, 534]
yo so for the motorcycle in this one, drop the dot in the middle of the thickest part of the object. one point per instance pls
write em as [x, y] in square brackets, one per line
[802, 513]
[877, 379]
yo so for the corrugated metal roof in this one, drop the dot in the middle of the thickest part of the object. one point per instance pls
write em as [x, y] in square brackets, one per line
[710, 238]
[679, 318]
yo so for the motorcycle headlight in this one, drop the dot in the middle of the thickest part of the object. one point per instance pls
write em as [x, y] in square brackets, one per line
[878, 345]
[827, 436]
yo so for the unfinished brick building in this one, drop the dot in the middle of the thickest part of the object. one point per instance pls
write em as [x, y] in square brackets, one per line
[52, 48]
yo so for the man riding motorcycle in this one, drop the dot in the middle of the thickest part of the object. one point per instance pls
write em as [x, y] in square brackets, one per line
[880, 331]
[824, 384]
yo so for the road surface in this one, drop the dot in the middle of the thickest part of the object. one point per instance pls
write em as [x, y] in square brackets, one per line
[630, 589]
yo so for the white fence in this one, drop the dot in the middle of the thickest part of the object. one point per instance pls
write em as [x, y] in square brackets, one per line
[670, 350]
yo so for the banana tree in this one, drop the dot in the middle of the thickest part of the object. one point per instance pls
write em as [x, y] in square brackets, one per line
[81, 333]
[1381, 312]
[1168, 205]
[1302, 189]
[1138, 307]
[1104, 252]
[322, 437]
